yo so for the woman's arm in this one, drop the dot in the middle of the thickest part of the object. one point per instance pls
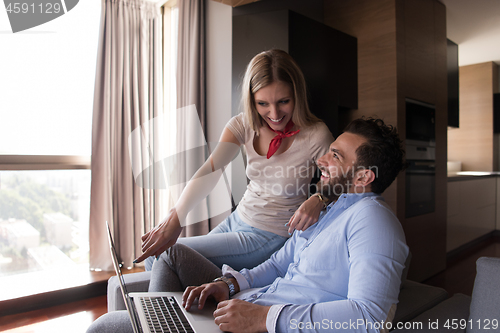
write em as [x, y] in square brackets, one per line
[308, 212]
[203, 182]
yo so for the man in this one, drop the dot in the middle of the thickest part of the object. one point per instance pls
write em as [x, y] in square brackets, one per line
[342, 273]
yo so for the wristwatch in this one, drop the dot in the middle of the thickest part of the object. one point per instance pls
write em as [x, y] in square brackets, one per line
[224, 279]
[321, 198]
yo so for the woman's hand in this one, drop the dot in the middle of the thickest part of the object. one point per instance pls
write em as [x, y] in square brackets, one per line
[306, 215]
[160, 238]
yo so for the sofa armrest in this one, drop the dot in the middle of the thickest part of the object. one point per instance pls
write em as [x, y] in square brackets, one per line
[485, 296]
[450, 313]
[135, 282]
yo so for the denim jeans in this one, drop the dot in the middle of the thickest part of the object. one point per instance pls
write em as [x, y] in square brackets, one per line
[235, 243]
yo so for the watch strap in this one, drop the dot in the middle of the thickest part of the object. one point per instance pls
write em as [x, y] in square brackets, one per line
[321, 198]
[229, 283]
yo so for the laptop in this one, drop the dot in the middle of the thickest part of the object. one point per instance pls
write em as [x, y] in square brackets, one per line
[162, 311]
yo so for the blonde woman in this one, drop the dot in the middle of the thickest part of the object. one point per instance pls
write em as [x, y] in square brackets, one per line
[283, 139]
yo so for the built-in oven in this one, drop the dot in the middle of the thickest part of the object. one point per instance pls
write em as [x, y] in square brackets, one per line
[421, 158]
[420, 188]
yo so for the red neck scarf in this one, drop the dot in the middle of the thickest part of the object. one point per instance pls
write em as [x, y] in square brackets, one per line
[276, 141]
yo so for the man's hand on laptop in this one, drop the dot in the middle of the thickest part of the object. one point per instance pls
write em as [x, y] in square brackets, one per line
[240, 316]
[218, 290]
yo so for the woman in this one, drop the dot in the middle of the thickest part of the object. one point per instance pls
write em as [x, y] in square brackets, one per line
[282, 139]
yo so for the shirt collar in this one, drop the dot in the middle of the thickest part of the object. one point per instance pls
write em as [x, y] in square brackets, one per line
[348, 199]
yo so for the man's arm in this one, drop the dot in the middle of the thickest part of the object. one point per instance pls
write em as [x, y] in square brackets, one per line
[265, 273]
[377, 252]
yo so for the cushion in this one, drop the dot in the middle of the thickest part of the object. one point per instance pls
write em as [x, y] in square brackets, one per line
[440, 318]
[415, 298]
[485, 303]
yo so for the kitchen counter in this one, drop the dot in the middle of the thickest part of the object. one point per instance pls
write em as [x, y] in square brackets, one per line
[469, 175]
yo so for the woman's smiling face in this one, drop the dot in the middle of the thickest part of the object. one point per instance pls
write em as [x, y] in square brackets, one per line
[275, 103]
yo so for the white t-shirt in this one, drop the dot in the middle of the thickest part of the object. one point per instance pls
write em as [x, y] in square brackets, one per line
[279, 185]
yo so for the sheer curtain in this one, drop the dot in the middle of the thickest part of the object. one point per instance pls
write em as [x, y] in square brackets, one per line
[183, 143]
[190, 137]
[128, 93]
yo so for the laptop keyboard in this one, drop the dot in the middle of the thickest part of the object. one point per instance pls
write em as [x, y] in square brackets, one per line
[165, 315]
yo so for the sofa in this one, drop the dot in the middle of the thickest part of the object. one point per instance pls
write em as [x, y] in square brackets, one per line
[461, 313]
[421, 308]
[415, 298]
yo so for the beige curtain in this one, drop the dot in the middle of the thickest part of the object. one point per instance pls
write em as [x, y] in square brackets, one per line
[191, 92]
[128, 93]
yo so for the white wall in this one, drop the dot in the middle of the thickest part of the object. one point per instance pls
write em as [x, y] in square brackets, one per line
[218, 48]
[219, 22]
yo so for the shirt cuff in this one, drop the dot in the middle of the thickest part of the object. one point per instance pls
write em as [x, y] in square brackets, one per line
[227, 271]
[272, 317]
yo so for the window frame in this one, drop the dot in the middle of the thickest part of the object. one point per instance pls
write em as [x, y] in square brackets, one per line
[43, 162]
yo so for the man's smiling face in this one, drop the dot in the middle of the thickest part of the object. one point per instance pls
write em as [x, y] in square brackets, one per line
[338, 165]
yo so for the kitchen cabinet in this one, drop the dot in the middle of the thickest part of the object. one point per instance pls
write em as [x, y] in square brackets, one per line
[472, 209]
[453, 84]
[496, 113]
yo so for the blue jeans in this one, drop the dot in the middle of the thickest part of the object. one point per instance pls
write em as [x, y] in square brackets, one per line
[235, 243]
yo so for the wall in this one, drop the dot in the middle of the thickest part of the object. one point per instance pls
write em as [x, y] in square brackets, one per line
[402, 53]
[310, 8]
[219, 22]
[473, 142]
[218, 81]
[374, 25]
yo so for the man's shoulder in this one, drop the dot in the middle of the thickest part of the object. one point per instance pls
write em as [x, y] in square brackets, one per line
[375, 200]
[373, 209]
[368, 200]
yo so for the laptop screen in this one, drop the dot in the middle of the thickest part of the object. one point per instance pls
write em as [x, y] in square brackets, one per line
[123, 288]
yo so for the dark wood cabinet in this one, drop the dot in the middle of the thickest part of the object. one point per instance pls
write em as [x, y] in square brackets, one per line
[496, 113]
[327, 57]
[453, 87]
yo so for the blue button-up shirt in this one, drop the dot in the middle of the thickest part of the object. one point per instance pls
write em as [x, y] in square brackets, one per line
[344, 272]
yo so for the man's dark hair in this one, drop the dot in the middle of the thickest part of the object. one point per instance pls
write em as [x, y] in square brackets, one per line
[382, 153]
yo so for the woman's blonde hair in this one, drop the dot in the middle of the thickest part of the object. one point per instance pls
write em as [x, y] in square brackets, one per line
[268, 67]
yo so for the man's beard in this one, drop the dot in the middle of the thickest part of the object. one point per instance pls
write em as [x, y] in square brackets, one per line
[334, 187]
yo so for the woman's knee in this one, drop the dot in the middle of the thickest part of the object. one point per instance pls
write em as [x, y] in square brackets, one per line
[177, 254]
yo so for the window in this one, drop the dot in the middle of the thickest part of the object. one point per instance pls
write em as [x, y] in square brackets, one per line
[46, 103]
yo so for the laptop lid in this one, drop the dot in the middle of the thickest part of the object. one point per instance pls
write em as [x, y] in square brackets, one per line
[126, 298]
[200, 320]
